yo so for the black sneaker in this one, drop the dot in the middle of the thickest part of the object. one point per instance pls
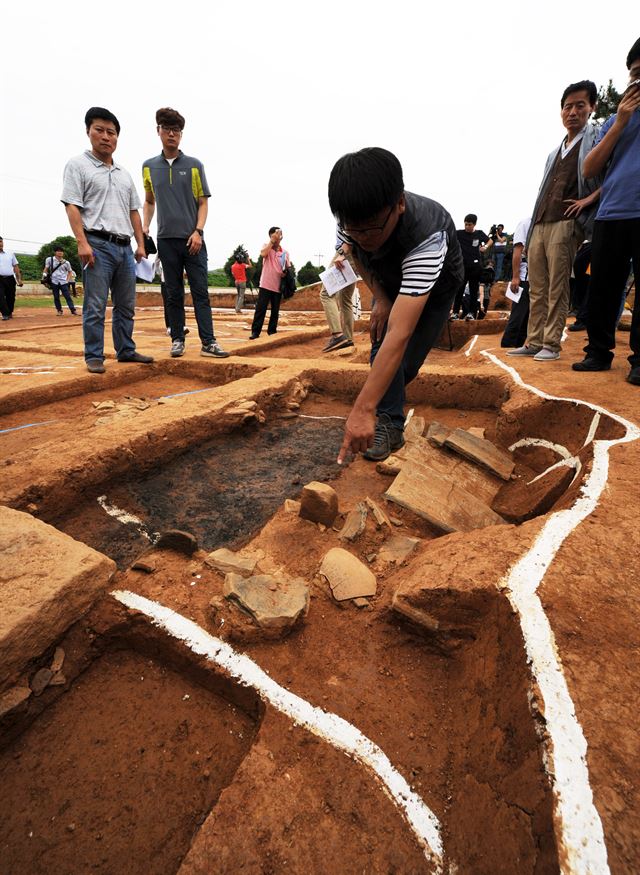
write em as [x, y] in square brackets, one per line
[339, 342]
[633, 376]
[386, 440]
[578, 326]
[214, 349]
[591, 364]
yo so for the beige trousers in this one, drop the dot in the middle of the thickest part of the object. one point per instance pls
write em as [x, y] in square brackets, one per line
[339, 304]
[552, 248]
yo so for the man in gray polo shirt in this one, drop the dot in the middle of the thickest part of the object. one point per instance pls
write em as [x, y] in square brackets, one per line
[177, 184]
[102, 206]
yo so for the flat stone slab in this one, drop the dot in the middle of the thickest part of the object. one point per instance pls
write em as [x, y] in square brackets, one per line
[397, 548]
[438, 433]
[481, 451]
[226, 560]
[348, 577]
[319, 503]
[276, 604]
[440, 500]
[47, 582]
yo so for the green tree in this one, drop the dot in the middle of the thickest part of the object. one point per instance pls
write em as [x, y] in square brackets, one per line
[30, 267]
[70, 247]
[309, 274]
[608, 100]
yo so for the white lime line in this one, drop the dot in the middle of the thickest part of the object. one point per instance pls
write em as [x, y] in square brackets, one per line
[541, 442]
[474, 340]
[331, 728]
[572, 462]
[593, 428]
[580, 833]
[126, 518]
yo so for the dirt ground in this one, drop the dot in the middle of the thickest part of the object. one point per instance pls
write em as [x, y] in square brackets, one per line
[151, 756]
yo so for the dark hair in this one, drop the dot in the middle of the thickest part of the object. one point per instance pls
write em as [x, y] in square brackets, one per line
[58, 248]
[273, 229]
[168, 116]
[586, 85]
[364, 183]
[100, 112]
[634, 54]
[471, 217]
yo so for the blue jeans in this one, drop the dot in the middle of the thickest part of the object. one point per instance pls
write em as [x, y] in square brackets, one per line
[175, 258]
[500, 253]
[56, 288]
[114, 269]
[425, 334]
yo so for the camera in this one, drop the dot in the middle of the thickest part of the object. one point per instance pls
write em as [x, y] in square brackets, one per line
[494, 230]
[242, 256]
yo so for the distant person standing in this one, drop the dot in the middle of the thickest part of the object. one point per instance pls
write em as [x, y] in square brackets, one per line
[499, 240]
[102, 206]
[239, 273]
[177, 185]
[58, 269]
[9, 275]
[515, 332]
[275, 260]
[473, 244]
[72, 284]
[338, 308]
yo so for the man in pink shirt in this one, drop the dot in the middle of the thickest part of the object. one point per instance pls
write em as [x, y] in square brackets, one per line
[275, 260]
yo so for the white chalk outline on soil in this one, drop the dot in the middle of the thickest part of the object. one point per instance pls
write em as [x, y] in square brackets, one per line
[581, 834]
[333, 729]
[126, 518]
[473, 342]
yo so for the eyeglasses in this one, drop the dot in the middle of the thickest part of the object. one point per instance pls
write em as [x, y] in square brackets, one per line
[362, 232]
[171, 129]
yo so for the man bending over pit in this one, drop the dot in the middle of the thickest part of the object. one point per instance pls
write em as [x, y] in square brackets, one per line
[406, 250]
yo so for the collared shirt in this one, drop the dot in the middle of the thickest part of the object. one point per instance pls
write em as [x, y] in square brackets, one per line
[177, 187]
[59, 270]
[104, 193]
[273, 265]
[620, 194]
[566, 148]
[7, 263]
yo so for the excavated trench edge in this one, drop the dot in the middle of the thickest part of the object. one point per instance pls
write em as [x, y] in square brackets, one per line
[580, 832]
[330, 727]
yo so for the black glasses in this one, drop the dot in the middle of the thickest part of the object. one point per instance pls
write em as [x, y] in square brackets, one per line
[363, 232]
[171, 129]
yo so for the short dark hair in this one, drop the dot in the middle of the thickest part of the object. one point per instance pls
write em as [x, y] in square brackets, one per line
[168, 116]
[100, 112]
[634, 54]
[364, 183]
[586, 85]
[58, 248]
[273, 229]
[471, 217]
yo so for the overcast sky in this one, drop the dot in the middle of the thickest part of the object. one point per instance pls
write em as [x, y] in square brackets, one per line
[466, 94]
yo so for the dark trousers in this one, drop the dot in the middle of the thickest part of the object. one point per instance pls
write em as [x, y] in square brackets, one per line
[7, 294]
[515, 333]
[425, 334]
[266, 298]
[57, 289]
[175, 258]
[614, 245]
[472, 276]
[581, 282]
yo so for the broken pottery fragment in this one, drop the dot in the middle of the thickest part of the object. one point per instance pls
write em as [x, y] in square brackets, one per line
[348, 577]
[397, 548]
[437, 434]
[355, 523]
[226, 560]
[181, 542]
[41, 680]
[12, 699]
[319, 503]
[276, 604]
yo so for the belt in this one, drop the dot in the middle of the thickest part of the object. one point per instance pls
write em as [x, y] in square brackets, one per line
[120, 239]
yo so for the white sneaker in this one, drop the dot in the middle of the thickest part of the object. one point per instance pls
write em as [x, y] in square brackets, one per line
[546, 355]
[177, 349]
[525, 350]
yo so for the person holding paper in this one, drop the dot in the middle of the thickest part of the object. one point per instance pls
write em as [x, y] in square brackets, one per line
[338, 307]
[406, 250]
[515, 333]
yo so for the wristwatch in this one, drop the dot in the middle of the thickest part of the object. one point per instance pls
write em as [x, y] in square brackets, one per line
[200, 231]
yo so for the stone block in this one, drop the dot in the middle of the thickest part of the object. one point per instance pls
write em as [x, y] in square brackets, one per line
[181, 542]
[319, 503]
[226, 560]
[397, 548]
[47, 582]
[276, 604]
[355, 523]
[438, 433]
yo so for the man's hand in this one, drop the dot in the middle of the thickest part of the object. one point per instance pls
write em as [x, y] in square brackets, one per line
[514, 285]
[20, 283]
[194, 243]
[627, 106]
[576, 207]
[140, 253]
[358, 433]
[379, 318]
[145, 230]
[85, 254]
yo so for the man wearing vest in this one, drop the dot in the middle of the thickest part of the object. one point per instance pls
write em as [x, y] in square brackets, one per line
[178, 185]
[406, 250]
[562, 217]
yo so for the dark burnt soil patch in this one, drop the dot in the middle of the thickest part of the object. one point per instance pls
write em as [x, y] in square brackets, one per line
[118, 775]
[222, 491]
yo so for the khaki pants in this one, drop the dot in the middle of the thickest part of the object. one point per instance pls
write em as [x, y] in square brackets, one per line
[335, 305]
[550, 255]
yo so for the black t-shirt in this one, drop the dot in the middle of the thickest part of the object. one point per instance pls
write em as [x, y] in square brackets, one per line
[470, 243]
